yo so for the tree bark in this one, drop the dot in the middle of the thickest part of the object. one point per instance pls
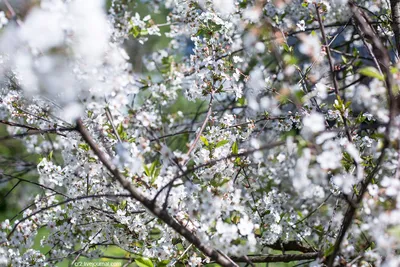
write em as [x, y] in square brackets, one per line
[395, 7]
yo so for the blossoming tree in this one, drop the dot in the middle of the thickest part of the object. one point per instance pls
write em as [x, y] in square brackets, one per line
[264, 131]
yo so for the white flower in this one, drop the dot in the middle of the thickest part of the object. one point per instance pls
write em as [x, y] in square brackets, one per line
[225, 7]
[331, 157]
[276, 229]
[321, 90]
[252, 14]
[281, 157]
[3, 19]
[194, 260]
[368, 116]
[237, 59]
[373, 190]
[236, 75]
[154, 30]
[366, 142]
[312, 124]
[327, 161]
[245, 226]
[39, 21]
[6, 225]
[344, 182]
[128, 157]
[310, 46]
[301, 25]
[260, 47]
[51, 225]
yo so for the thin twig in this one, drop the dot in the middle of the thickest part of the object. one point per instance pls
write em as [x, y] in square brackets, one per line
[202, 127]
[59, 204]
[332, 68]
[36, 132]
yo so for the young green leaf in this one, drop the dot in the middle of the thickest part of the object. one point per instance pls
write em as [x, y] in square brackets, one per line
[221, 143]
[204, 140]
[371, 72]
[144, 262]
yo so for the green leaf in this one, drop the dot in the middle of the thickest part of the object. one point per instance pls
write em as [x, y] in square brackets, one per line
[120, 129]
[241, 101]
[201, 31]
[286, 47]
[235, 148]
[113, 207]
[84, 146]
[329, 251]
[204, 140]
[146, 170]
[123, 204]
[157, 173]
[90, 113]
[135, 31]
[371, 72]
[221, 143]
[153, 167]
[163, 263]
[144, 262]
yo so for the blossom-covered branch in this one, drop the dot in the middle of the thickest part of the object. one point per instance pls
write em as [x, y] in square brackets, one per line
[158, 212]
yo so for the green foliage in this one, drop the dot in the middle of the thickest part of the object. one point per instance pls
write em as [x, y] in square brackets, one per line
[144, 262]
[371, 72]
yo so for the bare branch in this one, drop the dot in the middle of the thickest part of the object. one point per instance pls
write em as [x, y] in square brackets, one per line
[278, 258]
[36, 132]
[332, 67]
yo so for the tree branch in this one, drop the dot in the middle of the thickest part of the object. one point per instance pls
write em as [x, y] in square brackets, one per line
[332, 68]
[395, 7]
[36, 132]
[277, 258]
[253, 259]
[292, 245]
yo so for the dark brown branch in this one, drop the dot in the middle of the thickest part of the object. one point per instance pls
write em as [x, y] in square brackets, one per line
[278, 258]
[10, 123]
[369, 50]
[290, 246]
[36, 132]
[253, 259]
[32, 182]
[395, 7]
